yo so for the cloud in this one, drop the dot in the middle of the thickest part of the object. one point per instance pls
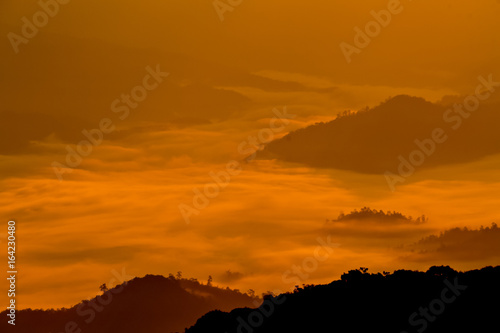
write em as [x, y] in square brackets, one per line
[266, 220]
[229, 276]
[224, 81]
[102, 255]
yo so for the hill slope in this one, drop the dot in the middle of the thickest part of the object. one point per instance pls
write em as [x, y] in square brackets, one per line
[151, 304]
[439, 300]
[371, 141]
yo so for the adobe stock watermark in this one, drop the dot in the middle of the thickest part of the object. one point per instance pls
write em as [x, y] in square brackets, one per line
[88, 309]
[295, 275]
[221, 179]
[372, 29]
[30, 28]
[422, 318]
[121, 106]
[428, 146]
[222, 6]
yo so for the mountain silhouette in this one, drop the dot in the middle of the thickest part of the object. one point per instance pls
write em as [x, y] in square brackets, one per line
[150, 304]
[370, 215]
[371, 140]
[458, 244]
[439, 300]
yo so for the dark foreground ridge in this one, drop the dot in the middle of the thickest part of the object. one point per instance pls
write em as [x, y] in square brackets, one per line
[439, 300]
[152, 304]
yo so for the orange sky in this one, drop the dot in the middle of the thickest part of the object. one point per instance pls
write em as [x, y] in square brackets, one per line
[119, 207]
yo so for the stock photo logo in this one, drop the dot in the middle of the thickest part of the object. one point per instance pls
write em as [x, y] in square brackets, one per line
[363, 37]
[95, 136]
[248, 150]
[48, 9]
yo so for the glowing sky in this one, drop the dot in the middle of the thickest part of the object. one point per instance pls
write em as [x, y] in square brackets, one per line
[119, 207]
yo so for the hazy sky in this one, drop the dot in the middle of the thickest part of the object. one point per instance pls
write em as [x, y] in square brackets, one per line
[118, 207]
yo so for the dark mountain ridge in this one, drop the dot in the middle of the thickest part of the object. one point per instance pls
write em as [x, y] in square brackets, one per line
[151, 304]
[439, 300]
[371, 140]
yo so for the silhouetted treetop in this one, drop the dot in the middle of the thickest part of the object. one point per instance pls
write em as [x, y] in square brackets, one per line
[367, 213]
